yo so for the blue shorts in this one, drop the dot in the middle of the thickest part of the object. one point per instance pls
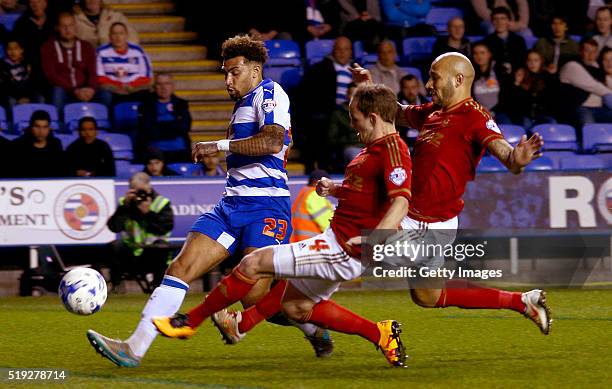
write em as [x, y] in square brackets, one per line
[240, 223]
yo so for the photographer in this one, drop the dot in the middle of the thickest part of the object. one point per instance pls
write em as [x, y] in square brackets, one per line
[145, 220]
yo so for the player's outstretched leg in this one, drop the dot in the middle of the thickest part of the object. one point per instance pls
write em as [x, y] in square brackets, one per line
[464, 294]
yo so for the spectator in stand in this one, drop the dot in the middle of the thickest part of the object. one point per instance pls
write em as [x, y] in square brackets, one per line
[518, 15]
[343, 140]
[533, 93]
[17, 81]
[559, 48]
[259, 22]
[363, 27]
[37, 153]
[155, 165]
[33, 29]
[386, 71]
[605, 63]
[352, 9]
[508, 49]
[490, 81]
[407, 18]
[322, 19]
[455, 41]
[69, 65]
[165, 122]
[603, 21]
[11, 7]
[211, 167]
[411, 91]
[325, 83]
[95, 19]
[89, 156]
[123, 68]
[584, 87]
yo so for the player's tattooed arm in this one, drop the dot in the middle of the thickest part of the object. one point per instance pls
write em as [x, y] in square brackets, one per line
[515, 159]
[269, 140]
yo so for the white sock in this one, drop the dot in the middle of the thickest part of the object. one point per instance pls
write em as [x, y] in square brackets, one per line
[307, 328]
[165, 300]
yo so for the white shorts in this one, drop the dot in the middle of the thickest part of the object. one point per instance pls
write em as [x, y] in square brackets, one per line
[316, 266]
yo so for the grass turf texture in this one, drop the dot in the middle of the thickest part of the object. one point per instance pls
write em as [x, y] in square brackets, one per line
[447, 347]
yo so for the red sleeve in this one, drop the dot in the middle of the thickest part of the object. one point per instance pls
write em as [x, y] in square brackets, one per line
[415, 115]
[484, 129]
[397, 168]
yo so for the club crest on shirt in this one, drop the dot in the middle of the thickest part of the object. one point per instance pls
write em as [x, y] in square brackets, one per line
[398, 176]
[491, 125]
[268, 105]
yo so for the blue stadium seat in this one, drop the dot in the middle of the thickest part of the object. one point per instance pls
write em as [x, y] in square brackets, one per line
[184, 169]
[9, 136]
[475, 38]
[283, 53]
[439, 17]
[22, 113]
[541, 164]
[597, 137]
[126, 170]
[557, 136]
[577, 38]
[583, 162]
[4, 126]
[557, 156]
[418, 48]
[317, 49]
[287, 76]
[366, 58]
[414, 71]
[75, 111]
[125, 116]
[512, 133]
[120, 144]
[490, 164]
[66, 139]
[8, 20]
[530, 41]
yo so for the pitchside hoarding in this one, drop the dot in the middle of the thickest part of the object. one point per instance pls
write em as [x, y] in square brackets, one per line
[75, 211]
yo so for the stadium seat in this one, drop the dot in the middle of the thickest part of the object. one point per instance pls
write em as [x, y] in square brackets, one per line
[474, 38]
[414, 71]
[120, 144]
[557, 156]
[558, 137]
[126, 170]
[512, 133]
[287, 76]
[317, 49]
[583, 162]
[490, 164]
[541, 164]
[9, 136]
[66, 139]
[8, 20]
[75, 111]
[577, 38]
[417, 48]
[366, 58]
[530, 41]
[125, 116]
[439, 17]
[283, 53]
[4, 126]
[184, 169]
[22, 113]
[597, 137]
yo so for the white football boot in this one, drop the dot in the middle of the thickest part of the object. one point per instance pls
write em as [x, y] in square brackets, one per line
[537, 310]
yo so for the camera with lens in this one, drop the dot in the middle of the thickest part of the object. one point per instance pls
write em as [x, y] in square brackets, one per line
[142, 195]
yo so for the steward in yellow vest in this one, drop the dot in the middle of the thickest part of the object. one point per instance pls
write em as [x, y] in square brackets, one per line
[310, 213]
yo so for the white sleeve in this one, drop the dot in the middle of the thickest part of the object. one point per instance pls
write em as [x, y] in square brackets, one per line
[272, 107]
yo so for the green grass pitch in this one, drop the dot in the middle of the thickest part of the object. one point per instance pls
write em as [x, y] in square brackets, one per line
[447, 347]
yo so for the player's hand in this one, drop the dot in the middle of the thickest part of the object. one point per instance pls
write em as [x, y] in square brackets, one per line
[528, 149]
[360, 75]
[325, 187]
[202, 149]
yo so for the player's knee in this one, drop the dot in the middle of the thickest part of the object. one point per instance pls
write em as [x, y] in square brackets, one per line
[250, 265]
[426, 298]
[298, 310]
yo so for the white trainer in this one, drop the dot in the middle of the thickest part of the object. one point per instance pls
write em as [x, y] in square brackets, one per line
[537, 310]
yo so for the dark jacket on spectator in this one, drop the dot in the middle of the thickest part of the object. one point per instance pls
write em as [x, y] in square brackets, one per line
[69, 69]
[512, 51]
[441, 46]
[151, 130]
[96, 157]
[536, 96]
[17, 80]
[32, 36]
[319, 87]
[33, 162]
[157, 223]
[568, 50]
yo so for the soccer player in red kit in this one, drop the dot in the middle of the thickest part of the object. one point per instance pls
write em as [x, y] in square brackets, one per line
[454, 132]
[374, 195]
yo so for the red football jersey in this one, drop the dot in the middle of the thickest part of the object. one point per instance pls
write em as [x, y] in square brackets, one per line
[445, 156]
[378, 173]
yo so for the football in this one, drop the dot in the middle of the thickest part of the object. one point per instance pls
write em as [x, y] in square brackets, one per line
[83, 291]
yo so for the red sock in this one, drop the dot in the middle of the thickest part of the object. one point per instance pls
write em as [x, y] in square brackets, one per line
[231, 289]
[266, 307]
[328, 314]
[464, 294]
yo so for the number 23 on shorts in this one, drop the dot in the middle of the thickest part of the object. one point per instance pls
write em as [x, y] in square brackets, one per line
[272, 225]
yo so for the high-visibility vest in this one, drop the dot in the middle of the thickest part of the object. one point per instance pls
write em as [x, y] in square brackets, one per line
[310, 214]
[135, 236]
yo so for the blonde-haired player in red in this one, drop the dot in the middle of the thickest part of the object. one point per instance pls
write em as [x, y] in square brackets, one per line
[374, 195]
[454, 132]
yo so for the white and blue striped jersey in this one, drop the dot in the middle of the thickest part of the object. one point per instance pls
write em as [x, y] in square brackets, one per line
[264, 176]
[123, 67]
